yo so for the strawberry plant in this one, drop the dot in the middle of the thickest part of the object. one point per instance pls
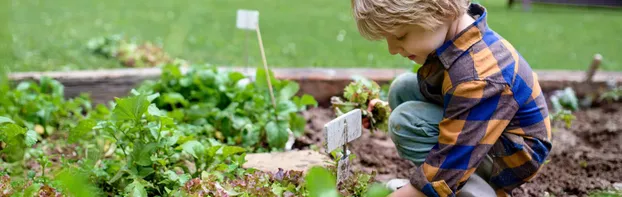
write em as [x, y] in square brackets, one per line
[226, 106]
[357, 95]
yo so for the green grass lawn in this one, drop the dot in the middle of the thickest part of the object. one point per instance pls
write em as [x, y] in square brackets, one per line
[51, 35]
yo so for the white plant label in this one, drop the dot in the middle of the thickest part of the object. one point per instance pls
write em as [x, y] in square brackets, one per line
[247, 19]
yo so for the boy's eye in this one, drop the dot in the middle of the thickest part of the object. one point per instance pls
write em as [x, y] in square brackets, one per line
[402, 37]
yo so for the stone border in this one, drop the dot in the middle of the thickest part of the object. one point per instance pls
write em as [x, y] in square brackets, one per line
[322, 83]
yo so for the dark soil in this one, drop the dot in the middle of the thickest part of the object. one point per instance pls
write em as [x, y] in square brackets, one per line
[585, 158]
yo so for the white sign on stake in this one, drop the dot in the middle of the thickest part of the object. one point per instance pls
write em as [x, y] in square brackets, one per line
[335, 130]
[338, 133]
[247, 19]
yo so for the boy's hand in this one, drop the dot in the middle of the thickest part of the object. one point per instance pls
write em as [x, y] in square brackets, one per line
[370, 107]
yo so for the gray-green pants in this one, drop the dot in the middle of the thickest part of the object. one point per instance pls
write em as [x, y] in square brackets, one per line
[413, 127]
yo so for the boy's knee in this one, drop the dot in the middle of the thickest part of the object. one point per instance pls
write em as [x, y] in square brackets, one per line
[414, 129]
[404, 80]
[402, 88]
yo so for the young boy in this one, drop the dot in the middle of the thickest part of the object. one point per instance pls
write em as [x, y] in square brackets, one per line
[473, 118]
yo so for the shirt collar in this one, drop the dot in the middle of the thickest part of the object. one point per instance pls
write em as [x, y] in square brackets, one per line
[452, 49]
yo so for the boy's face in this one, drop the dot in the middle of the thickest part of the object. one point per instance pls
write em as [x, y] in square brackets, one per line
[414, 42]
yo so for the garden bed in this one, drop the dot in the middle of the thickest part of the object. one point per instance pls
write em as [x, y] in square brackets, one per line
[585, 158]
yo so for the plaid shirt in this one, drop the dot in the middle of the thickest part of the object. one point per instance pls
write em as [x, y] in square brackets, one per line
[493, 105]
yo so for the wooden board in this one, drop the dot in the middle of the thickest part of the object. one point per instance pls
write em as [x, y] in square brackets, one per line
[334, 131]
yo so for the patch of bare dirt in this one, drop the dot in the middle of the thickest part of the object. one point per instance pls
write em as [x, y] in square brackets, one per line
[586, 157]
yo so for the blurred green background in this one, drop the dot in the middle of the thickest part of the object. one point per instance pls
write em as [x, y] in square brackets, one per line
[45, 35]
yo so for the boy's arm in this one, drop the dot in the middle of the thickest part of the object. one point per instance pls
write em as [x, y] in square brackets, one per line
[476, 113]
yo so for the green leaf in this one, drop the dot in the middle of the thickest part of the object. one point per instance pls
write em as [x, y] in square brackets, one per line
[51, 86]
[285, 107]
[260, 79]
[377, 190]
[142, 153]
[172, 70]
[240, 122]
[252, 135]
[154, 111]
[5, 120]
[174, 98]
[321, 183]
[84, 126]
[297, 123]
[194, 148]
[183, 178]
[236, 76]
[277, 189]
[145, 171]
[32, 190]
[136, 189]
[30, 138]
[130, 108]
[277, 135]
[308, 100]
[152, 97]
[290, 89]
[230, 150]
[171, 175]
[10, 131]
[75, 183]
[15, 149]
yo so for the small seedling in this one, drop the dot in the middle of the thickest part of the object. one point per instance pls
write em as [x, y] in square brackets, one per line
[357, 95]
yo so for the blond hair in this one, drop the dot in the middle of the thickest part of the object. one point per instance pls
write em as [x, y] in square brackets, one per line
[376, 17]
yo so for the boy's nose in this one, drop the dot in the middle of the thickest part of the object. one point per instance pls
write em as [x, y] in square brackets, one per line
[394, 49]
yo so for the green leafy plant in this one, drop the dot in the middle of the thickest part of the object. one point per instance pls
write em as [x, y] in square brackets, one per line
[151, 155]
[42, 106]
[612, 95]
[565, 116]
[564, 103]
[565, 99]
[357, 95]
[228, 107]
[15, 139]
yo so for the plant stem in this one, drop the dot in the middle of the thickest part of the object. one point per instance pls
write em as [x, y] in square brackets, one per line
[122, 146]
[43, 172]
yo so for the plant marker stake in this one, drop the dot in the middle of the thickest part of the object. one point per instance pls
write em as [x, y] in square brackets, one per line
[249, 20]
[265, 65]
[338, 132]
[589, 75]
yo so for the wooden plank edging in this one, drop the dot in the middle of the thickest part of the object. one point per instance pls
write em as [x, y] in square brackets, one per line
[322, 83]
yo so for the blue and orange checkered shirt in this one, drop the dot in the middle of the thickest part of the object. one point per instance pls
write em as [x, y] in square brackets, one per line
[493, 105]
